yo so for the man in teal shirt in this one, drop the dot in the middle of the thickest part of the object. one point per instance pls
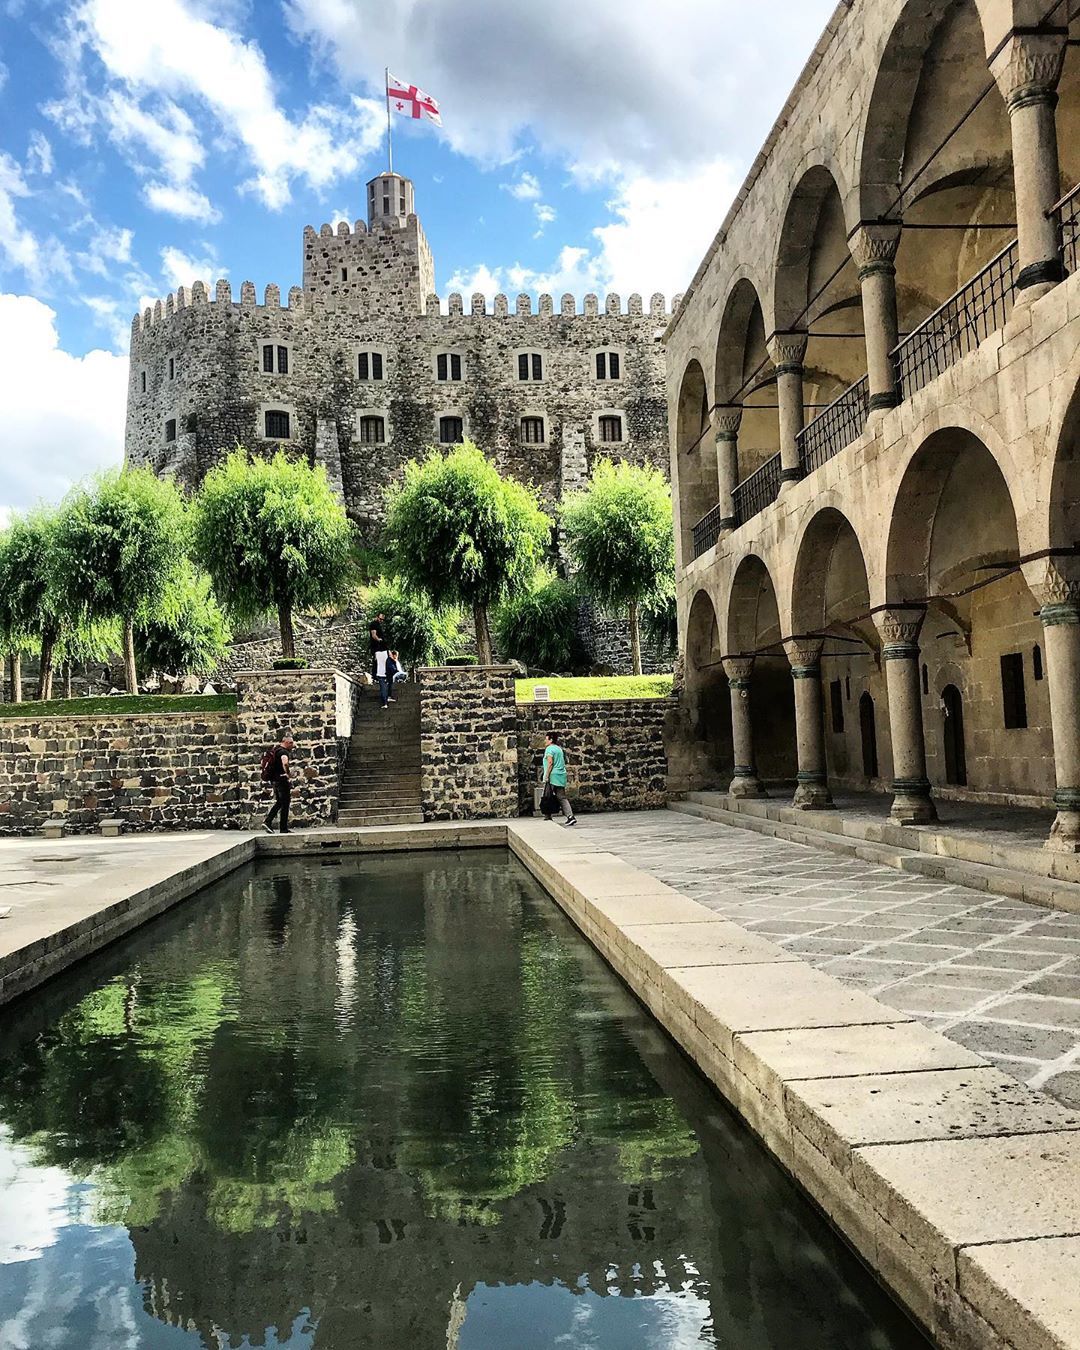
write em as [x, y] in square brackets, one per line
[555, 774]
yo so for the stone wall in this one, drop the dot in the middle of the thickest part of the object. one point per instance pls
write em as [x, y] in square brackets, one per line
[169, 771]
[468, 743]
[615, 755]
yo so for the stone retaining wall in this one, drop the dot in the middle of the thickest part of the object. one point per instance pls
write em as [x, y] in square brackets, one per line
[615, 755]
[468, 742]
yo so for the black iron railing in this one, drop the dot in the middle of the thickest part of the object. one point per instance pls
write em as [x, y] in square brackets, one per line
[755, 493]
[706, 530]
[1068, 214]
[842, 422]
[959, 325]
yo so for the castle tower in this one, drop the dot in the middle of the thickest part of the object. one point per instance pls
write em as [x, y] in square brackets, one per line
[381, 267]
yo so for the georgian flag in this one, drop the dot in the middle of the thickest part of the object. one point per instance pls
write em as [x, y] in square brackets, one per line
[409, 101]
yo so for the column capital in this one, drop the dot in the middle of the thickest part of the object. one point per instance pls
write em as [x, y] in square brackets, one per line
[899, 626]
[804, 653]
[738, 670]
[787, 351]
[1027, 66]
[873, 246]
[726, 420]
[1057, 589]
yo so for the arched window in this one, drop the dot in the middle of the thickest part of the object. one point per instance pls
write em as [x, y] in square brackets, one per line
[369, 366]
[277, 424]
[372, 430]
[608, 366]
[451, 430]
[611, 428]
[530, 366]
[532, 430]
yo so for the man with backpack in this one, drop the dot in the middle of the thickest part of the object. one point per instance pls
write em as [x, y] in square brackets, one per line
[275, 770]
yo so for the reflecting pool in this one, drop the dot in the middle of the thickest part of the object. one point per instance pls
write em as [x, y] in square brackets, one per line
[394, 1103]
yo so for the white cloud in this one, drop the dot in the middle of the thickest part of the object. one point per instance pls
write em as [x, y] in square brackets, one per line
[19, 245]
[39, 156]
[63, 414]
[181, 269]
[526, 189]
[109, 244]
[183, 201]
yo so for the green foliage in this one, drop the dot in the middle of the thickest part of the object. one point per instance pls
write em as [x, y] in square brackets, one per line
[593, 687]
[28, 603]
[188, 631]
[272, 535]
[421, 634]
[619, 532]
[540, 627]
[117, 542]
[464, 534]
[291, 663]
[120, 703]
[660, 623]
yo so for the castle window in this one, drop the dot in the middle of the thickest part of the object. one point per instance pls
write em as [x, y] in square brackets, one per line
[170, 429]
[386, 206]
[372, 430]
[451, 430]
[1036, 662]
[1013, 698]
[611, 428]
[608, 365]
[530, 366]
[268, 358]
[344, 274]
[402, 206]
[448, 366]
[277, 424]
[144, 381]
[275, 358]
[172, 367]
[532, 430]
[369, 366]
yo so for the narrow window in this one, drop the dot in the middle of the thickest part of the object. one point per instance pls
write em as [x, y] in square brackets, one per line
[847, 688]
[268, 359]
[1013, 700]
[836, 706]
[172, 368]
[451, 430]
[613, 365]
[376, 365]
[601, 365]
[401, 205]
[144, 381]
[455, 367]
[925, 680]
[532, 430]
[523, 366]
[611, 429]
[170, 429]
[1036, 661]
[537, 366]
[277, 425]
[386, 206]
[441, 366]
[372, 430]
[283, 360]
[344, 274]
[363, 366]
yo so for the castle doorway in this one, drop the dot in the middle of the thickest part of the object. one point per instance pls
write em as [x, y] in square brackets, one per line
[952, 708]
[868, 733]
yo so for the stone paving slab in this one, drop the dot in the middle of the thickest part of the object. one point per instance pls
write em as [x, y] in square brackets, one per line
[1021, 1283]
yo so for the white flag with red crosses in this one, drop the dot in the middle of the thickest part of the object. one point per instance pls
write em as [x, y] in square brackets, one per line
[410, 101]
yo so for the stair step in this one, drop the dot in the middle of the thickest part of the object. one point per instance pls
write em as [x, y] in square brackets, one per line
[354, 820]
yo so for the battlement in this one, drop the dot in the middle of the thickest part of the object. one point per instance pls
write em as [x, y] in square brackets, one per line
[198, 295]
[568, 306]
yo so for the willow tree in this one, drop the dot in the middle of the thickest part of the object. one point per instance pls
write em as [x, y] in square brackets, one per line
[116, 544]
[620, 539]
[464, 534]
[273, 537]
[188, 631]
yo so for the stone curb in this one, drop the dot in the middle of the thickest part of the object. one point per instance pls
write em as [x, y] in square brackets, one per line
[959, 1186]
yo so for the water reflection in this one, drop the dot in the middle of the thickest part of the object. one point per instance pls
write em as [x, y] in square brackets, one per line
[392, 1103]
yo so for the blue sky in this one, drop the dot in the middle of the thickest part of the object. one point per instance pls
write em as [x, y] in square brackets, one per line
[148, 143]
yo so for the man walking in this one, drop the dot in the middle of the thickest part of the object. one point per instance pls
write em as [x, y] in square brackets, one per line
[277, 772]
[382, 676]
[377, 639]
[555, 774]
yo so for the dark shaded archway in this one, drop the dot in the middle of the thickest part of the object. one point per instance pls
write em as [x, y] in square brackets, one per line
[754, 629]
[745, 377]
[696, 467]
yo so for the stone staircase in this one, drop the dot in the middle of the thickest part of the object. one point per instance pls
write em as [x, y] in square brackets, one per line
[380, 780]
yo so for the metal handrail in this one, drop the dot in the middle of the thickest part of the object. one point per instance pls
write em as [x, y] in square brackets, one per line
[1067, 212]
[758, 491]
[958, 326]
[706, 530]
[842, 422]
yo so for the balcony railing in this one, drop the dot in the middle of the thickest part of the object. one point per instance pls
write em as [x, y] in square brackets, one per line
[1068, 215]
[706, 530]
[842, 422]
[960, 324]
[755, 493]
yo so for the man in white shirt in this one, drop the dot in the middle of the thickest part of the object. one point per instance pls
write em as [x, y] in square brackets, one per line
[381, 658]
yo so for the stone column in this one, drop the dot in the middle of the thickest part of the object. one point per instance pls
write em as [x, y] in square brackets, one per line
[873, 248]
[787, 351]
[812, 792]
[1027, 70]
[727, 462]
[899, 627]
[739, 670]
[1060, 615]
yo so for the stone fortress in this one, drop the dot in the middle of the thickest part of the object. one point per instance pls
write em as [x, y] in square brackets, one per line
[365, 367]
[874, 386]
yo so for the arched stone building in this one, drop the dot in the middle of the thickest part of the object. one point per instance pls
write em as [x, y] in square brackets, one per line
[874, 385]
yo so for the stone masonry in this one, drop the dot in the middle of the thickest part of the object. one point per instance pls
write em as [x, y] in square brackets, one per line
[468, 742]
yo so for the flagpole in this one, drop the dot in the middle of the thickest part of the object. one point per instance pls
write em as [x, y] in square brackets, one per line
[389, 137]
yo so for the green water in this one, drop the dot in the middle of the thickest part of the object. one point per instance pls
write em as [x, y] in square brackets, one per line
[394, 1103]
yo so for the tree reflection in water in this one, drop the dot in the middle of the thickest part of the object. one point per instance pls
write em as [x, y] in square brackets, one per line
[394, 1102]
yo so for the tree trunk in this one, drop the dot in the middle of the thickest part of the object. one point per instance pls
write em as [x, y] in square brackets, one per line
[131, 675]
[635, 638]
[288, 645]
[16, 677]
[67, 680]
[483, 634]
[45, 673]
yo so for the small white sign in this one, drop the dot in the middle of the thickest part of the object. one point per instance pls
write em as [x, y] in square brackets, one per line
[541, 693]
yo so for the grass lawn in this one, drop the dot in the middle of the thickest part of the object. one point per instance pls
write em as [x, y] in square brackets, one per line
[591, 688]
[121, 703]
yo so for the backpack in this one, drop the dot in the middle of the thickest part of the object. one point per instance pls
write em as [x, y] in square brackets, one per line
[266, 768]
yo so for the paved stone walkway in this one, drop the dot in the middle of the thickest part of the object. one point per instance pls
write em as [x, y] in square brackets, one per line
[999, 976]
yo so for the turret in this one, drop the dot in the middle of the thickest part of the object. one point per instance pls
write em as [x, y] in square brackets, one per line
[391, 200]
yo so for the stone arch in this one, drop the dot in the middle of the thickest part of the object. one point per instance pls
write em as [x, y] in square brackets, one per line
[744, 376]
[931, 71]
[753, 610]
[816, 287]
[1062, 523]
[754, 626]
[695, 455]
